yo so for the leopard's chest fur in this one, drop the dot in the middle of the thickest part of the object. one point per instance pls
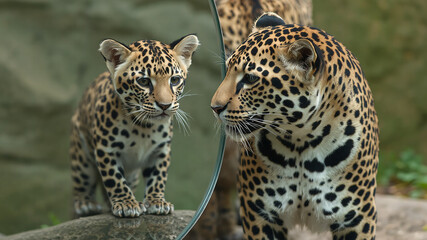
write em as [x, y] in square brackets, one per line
[142, 143]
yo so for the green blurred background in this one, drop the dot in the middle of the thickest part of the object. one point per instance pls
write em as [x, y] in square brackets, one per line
[48, 55]
[388, 37]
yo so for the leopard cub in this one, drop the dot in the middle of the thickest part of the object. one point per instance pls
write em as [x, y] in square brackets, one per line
[122, 127]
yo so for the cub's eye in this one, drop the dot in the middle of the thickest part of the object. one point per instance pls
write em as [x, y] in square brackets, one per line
[250, 79]
[175, 80]
[143, 81]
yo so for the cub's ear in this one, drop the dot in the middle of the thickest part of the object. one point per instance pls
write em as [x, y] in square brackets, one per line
[303, 59]
[114, 53]
[268, 19]
[184, 48]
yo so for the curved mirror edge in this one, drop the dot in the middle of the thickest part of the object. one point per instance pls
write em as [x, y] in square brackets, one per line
[218, 164]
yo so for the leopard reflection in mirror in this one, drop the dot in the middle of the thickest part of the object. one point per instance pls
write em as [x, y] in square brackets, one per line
[122, 127]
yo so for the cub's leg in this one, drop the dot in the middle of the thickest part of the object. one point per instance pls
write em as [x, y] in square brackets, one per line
[84, 177]
[132, 181]
[155, 176]
[206, 226]
[227, 226]
[122, 199]
[226, 189]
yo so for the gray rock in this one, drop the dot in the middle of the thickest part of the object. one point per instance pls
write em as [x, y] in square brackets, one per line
[106, 226]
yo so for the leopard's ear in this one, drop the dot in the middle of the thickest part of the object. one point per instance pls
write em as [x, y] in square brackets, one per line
[302, 59]
[268, 19]
[184, 48]
[114, 53]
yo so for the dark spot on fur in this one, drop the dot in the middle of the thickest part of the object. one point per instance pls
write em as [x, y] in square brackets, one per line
[339, 154]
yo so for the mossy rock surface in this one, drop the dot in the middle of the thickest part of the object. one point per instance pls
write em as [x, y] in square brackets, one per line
[106, 226]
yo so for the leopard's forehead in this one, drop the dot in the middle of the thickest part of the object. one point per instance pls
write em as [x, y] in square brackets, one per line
[155, 57]
[266, 41]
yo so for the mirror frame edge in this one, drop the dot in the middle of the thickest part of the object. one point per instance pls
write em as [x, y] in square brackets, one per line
[221, 148]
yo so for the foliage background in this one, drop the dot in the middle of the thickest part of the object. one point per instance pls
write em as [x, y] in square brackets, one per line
[48, 55]
[388, 37]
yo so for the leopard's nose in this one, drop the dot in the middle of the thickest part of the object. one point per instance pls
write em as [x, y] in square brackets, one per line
[163, 106]
[218, 109]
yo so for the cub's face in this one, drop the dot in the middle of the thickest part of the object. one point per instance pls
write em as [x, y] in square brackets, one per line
[271, 82]
[149, 76]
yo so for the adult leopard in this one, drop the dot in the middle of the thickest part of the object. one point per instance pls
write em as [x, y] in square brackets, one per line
[122, 128]
[299, 101]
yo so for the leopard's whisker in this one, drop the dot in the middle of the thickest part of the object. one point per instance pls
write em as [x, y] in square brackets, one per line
[244, 141]
[219, 58]
[217, 126]
[182, 119]
[138, 117]
[186, 94]
[266, 125]
[259, 125]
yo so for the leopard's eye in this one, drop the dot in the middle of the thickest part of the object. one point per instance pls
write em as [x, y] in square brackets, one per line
[250, 79]
[143, 81]
[175, 80]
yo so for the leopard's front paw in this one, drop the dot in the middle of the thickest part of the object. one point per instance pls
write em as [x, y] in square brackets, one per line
[158, 206]
[84, 208]
[127, 208]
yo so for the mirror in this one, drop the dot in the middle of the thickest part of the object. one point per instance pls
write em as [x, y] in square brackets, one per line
[221, 149]
[49, 57]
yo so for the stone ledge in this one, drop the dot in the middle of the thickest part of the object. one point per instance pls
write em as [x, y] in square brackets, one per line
[106, 226]
[398, 218]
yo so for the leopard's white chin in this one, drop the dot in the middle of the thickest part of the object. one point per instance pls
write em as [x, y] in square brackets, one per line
[162, 116]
